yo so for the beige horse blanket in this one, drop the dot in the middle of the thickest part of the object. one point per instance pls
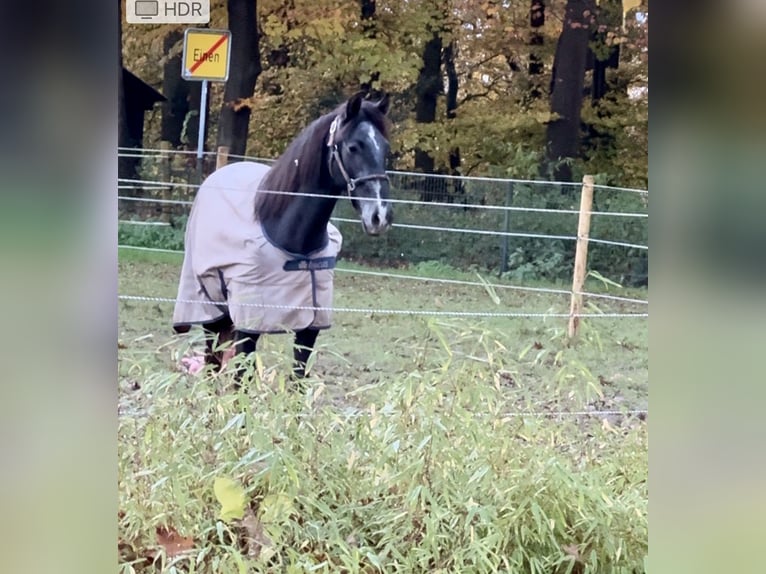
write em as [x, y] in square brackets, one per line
[229, 261]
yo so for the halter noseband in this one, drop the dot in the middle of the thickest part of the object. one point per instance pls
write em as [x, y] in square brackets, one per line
[335, 155]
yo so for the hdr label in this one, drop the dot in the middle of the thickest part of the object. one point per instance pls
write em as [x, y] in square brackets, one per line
[167, 11]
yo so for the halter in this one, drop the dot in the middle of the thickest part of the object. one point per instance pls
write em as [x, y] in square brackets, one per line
[350, 181]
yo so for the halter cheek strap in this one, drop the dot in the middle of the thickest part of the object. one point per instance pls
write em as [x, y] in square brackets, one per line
[351, 182]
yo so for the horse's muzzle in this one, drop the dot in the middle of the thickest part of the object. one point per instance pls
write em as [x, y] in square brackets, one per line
[376, 217]
[375, 211]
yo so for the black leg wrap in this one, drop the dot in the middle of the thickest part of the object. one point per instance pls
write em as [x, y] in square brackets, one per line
[246, 343]
[216, 334]
[304, 345]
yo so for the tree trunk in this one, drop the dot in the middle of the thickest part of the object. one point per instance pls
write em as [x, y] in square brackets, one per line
[609, 17]
[598, 85]
[244, 69]
[600, 58]
[563, 133]
[176, 90]
[127, 167]
[427, 91]
[536, 40]
[368, 8]
[452, 90]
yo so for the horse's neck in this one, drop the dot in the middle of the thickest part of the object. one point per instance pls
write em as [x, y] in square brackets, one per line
[302, 228]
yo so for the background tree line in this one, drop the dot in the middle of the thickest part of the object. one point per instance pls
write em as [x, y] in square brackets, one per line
[542, 89]
[490, 87]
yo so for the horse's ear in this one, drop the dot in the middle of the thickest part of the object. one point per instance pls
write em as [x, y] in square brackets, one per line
[382, 104]
[354, 105]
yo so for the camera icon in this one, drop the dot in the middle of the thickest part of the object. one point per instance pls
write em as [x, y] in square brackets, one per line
[147, 9]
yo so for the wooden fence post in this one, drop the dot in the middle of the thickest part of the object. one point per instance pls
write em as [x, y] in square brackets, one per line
[581, 255]
[222, 157]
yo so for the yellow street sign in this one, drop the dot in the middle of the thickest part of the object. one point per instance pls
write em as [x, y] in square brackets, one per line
[206, 54]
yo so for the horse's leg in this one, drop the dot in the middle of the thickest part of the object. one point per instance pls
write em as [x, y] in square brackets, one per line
[217, 333]
[304, 345]
[246, 343]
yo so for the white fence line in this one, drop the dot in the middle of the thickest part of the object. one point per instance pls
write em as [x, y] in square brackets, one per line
[149, 223]
[478, 206]
[137, 152]
[514, 180]
[538, 290]
[641, 414]
[146, 187]
[150, 249]
[154, 200]
[490, 285]
[371, 311]
[134, 152]
[632, 413]
[437, 228]
[503, 233]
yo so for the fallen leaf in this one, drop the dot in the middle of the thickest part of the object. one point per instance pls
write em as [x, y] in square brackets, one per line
[173, 543]
[256, 538]
[231, 496]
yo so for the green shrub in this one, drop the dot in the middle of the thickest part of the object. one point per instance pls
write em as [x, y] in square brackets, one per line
[155, 236]
[427, 474]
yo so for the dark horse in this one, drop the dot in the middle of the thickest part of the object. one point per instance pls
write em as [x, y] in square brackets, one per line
[262, 262]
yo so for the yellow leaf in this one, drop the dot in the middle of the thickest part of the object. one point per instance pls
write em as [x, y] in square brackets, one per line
[276, 508]
[258, 541]
[231, 496]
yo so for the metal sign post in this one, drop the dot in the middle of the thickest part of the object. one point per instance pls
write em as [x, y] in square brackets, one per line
[205, 58]
[201, 133]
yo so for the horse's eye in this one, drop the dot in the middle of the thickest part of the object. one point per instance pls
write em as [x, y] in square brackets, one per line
[353, 148]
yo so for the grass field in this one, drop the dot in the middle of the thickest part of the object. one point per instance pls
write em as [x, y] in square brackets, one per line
[423, 444]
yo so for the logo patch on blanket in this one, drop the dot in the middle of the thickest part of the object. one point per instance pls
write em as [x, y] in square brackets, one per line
[309, 264]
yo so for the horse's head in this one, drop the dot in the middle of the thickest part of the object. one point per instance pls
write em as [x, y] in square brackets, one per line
[358, 151]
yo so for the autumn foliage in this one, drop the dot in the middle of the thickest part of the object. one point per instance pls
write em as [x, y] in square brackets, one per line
[492, 66]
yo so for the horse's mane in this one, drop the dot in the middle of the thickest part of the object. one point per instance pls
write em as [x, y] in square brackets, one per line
[299, 168]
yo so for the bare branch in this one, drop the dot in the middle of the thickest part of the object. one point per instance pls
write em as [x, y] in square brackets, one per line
[470, 97]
